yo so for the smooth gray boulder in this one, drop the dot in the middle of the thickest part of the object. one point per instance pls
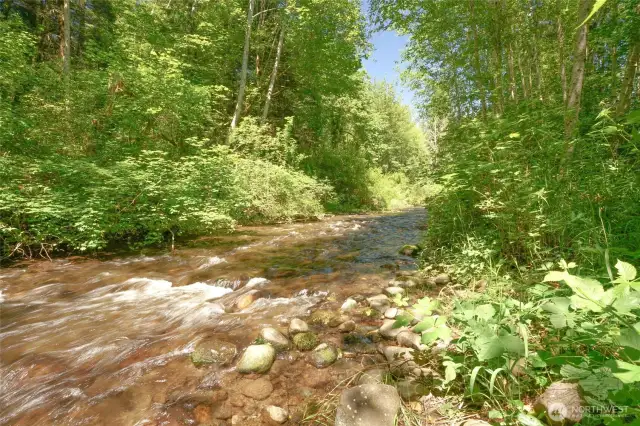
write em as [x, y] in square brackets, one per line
[297, 326]
[392, 291]
[388, 332]
[275, 338]
[409, 339]
[368, 405]
[257, 359]
[213, 352]
[380, 302]
[391, 313]
[349, 304]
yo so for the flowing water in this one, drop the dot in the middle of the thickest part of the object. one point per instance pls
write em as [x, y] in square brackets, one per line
[93, 342]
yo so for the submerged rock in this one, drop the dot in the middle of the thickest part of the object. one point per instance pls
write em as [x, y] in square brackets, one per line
[410, 250]
[323, 355]
[257, 282]
[368, 405]
[347, 326]
[275, 339]
[257, 359]
[247, 299]
[349, 304]
[297, 326]
[380, 302]
[325, 317]
[305, 341]
[213, 352]
[258, 389]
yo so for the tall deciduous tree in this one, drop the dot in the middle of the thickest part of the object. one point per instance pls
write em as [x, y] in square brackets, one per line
[243, 70]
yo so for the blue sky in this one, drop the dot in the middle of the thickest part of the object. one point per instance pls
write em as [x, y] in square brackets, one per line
[384, 62]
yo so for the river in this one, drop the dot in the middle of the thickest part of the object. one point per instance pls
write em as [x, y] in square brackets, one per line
[106, 342]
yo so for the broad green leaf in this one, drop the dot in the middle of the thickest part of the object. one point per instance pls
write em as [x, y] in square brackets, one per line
[485, 312]
[529, 420]
[513, 344]
[629, 338]
[626, 372]
[568, 371]
[402, 320]
[425, 324]
[626, 271]
[488, 347]
[558, 320]
[555, 276]
[441, 332]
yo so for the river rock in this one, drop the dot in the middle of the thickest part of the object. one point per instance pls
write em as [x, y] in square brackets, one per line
[380, 302]
[562, 403]
[257, 282]
[410, 389]
[275, 339]
[349, 305]
[305, 341]
[213, 352]
[391, 313]
[410, 250]
[247, 299]
[257, 359]
[475, 422]
[258, 389]
[277, 414]
[401, 361]
[347, 326]
[297, 326]
[407, 284]
[368, 405]
[400, 274]
[388, 332]
[442, 279]
[409, 339]
[325, 317]
[373, 376]
[392, 291]
[323, 355]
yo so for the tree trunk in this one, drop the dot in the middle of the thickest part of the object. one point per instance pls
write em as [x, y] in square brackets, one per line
[563, 71]
[272, 82]
[523, 78]
[243, 72]
[66, 37]
[512, 75]
[577, 76]
[82, 23]
[476, 58]
[633, 62]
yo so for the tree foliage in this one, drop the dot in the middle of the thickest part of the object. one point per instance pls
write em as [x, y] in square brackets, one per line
[126, 136]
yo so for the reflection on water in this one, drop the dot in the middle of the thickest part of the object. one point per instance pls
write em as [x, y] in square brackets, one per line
[87, 342]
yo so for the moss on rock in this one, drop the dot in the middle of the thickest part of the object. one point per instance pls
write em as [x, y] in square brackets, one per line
[305, 341]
